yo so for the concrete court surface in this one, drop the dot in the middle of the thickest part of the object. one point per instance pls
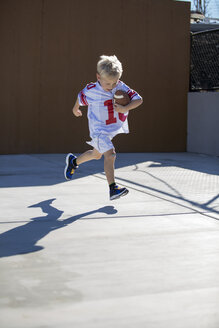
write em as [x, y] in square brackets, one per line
[71, 258]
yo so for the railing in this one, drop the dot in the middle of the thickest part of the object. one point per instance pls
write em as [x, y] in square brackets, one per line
[204, 62]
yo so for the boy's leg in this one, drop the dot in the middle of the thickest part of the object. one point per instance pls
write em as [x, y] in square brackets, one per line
[72, 161]
[88, 156]
[109, 160]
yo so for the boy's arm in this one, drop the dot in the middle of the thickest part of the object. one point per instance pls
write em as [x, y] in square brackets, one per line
[124, 109]
[76, 111]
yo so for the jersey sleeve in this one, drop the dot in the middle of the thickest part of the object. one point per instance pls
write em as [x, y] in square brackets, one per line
[85, 96]
[82, 99]
[133, 95]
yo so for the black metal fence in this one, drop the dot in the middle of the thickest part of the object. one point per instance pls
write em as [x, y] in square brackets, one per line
[204, 64]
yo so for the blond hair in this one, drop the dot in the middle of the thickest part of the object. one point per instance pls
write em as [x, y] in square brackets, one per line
[110, 66]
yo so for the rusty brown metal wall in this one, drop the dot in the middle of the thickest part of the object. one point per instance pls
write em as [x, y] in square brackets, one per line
[49, 50]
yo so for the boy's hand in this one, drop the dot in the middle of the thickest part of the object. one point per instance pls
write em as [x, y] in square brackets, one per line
[124, 109]
[120, 108]
[77, 112]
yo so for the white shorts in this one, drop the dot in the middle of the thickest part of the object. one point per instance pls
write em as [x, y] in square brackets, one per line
[102, 143]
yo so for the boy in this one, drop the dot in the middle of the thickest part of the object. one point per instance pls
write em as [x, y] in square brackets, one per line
[105, 118]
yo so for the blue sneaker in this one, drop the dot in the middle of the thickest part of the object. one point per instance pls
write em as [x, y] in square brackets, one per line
[70, 166]
[117, 192]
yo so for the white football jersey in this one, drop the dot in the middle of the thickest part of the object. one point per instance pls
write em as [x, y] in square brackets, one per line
[102, 118]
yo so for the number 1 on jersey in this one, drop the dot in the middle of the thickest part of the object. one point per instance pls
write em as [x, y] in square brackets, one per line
[112, 119]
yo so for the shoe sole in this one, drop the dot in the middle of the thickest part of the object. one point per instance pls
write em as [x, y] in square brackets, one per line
[66, 166]
[125, 192]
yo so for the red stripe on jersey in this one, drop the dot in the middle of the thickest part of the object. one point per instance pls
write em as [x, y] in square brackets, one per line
[83, 99]
[131, 93]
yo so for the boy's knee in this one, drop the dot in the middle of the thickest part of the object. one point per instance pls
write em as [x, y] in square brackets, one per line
[110, 155]
[97, 156]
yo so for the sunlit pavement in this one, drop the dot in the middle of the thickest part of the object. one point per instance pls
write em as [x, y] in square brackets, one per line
[69, 257]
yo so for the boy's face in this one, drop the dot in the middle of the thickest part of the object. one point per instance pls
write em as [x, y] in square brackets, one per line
[107, 83]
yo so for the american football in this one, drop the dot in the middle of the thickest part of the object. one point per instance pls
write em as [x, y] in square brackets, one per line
[121, 98]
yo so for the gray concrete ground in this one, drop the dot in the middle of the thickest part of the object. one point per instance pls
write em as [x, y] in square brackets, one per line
[71, 258]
